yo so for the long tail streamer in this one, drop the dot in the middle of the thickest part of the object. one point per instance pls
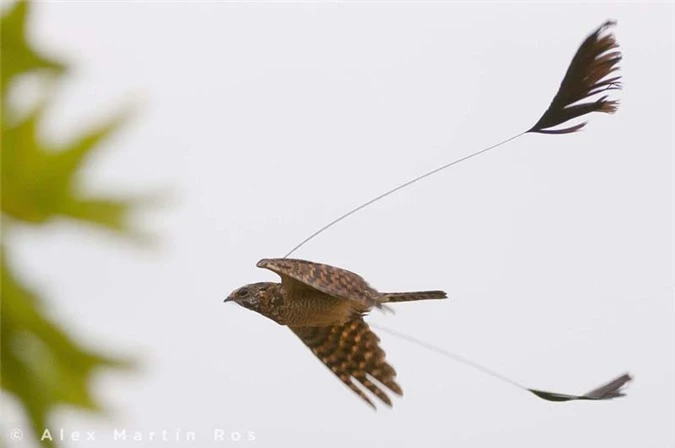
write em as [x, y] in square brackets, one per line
[612, 389]
[588, 75]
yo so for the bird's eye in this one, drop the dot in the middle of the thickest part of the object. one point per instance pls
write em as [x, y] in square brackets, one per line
[243, 292]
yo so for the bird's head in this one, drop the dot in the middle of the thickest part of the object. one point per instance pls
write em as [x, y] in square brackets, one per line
[255, 297]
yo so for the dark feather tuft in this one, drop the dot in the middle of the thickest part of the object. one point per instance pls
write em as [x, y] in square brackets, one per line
[586, 76]
[612, 389]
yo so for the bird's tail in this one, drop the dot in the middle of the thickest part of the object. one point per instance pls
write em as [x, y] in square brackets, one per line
[412, 296]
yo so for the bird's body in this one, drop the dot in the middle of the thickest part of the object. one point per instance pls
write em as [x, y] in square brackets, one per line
[324, 306]
[303, 307]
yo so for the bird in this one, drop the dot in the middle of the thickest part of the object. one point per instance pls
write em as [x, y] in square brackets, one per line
[325, 307]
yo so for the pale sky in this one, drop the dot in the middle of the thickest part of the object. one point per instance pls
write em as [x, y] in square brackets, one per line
[265, 121]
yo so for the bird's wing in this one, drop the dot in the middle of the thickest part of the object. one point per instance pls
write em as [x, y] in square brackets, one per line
[351, 350]
[330, 280]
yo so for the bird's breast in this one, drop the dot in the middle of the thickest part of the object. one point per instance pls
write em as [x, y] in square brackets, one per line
[316, 309]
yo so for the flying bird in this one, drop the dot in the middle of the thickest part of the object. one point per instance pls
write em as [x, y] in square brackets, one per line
[324, 306]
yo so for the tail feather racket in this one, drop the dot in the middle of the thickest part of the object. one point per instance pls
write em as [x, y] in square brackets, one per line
[588, 76]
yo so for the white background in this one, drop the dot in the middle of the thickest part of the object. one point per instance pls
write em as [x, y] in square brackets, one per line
[265, 121]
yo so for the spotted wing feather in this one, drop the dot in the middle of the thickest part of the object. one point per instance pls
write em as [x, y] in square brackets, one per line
[352, 352]
[330, 280]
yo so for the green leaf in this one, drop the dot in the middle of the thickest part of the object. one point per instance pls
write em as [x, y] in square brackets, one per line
[18, 57]
[40, 182]
[41, 365]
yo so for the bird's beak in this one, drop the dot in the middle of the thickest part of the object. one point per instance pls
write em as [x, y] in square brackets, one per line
[229, 299]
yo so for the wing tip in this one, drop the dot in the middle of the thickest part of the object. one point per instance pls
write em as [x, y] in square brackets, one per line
[263, 263]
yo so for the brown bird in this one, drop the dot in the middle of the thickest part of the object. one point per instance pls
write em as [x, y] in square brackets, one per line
[324, 306]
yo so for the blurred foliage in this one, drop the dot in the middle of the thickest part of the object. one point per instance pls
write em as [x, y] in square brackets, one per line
[41, 366]
[17, 56]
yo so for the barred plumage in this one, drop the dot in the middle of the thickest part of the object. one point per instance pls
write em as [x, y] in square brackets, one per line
[324, 306]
